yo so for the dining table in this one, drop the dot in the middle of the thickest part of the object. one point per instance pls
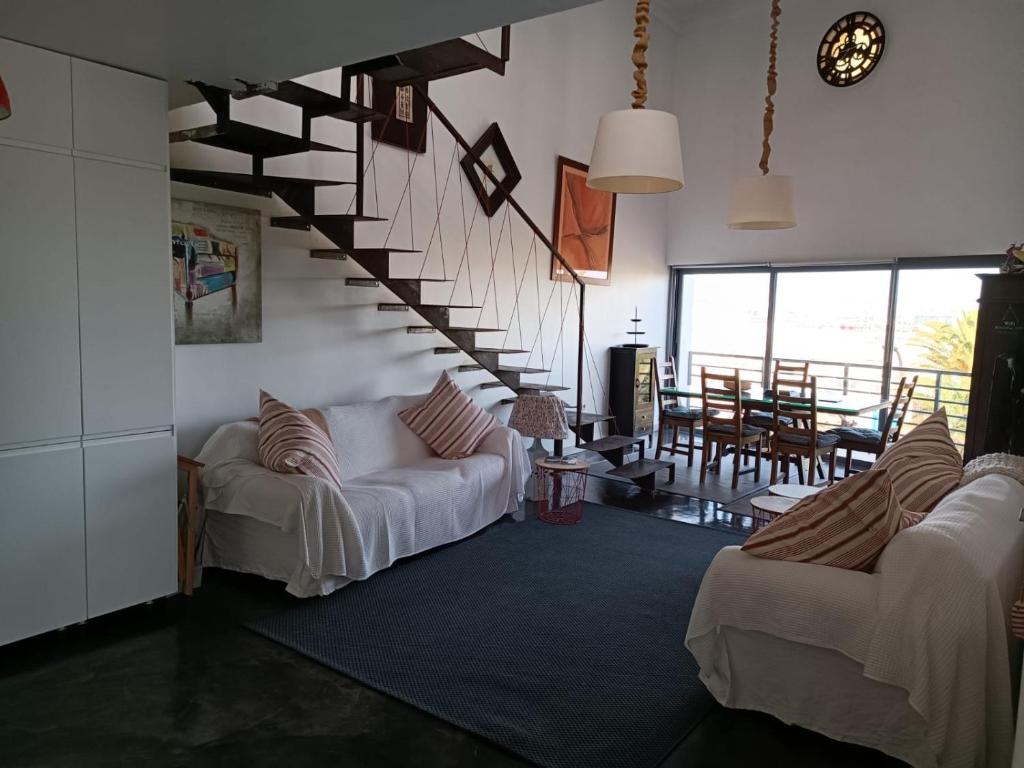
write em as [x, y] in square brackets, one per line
[758, 398]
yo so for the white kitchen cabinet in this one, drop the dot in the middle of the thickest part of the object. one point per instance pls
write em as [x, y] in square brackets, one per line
[124, 268]
[39, 84]
[39, 354]
[42, 540]
[130, 520]
[119, 114]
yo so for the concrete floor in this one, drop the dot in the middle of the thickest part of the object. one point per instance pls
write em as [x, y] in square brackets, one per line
[181, 683]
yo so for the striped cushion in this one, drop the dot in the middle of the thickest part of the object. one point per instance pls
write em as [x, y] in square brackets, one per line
[449, 421]
[290, 441]
[845, 526]
[925, 464]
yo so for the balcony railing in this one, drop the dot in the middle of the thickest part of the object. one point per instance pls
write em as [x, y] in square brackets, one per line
[935, 388]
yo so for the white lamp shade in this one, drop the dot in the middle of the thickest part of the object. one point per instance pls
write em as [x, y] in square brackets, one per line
[762, 202]
[636, 151]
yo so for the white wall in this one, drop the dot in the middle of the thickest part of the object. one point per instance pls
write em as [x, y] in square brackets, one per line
[325, 343]
[924, 157]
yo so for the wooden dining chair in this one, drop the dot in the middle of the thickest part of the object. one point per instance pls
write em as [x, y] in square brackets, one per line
[673, 414]
[875, 441]
[722, 413]
[764, 419]
[795, 429]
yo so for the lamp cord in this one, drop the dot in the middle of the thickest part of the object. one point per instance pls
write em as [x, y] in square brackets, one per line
[642, 17]
[769, 105]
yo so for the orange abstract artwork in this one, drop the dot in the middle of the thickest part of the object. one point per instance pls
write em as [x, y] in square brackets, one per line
[584, 226]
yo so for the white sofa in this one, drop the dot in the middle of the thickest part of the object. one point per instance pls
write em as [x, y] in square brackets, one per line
[914, 659]
[397, 499]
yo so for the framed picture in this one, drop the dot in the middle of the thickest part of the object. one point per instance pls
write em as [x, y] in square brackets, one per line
[406, 124]
[216, 273]
[584, 228]
[493, 151]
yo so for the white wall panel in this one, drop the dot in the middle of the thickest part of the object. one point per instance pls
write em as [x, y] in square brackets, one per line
[119, 113]
[40, 388]
[42, 541]
[131, 520]
[39, 84]
[124, 274]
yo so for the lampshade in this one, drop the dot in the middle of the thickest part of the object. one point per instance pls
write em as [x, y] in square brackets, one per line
[762, 202]
[5, 101]
[539, 416]
[636, 151]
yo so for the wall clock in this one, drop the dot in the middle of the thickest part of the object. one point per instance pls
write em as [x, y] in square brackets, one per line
[851, 48]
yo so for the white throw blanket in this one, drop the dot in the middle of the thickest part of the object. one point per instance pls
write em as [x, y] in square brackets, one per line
[375, 518]
[932, 620]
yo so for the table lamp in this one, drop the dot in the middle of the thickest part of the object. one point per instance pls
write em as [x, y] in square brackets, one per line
[539, 416]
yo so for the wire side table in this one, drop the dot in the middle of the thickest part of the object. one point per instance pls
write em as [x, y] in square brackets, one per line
[560, 491]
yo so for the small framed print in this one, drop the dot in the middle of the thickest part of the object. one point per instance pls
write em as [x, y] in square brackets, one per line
[405, 126]
[584, 227]
[494, 153]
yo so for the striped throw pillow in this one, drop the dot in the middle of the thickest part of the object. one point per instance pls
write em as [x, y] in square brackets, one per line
[449, 421]
[925, 465]
[845, 526]
[290, 441]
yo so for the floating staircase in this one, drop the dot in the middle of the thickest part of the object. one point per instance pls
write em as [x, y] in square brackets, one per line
[416, 66]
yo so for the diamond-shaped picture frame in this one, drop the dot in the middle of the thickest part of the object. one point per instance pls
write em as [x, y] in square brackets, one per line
[492, 149]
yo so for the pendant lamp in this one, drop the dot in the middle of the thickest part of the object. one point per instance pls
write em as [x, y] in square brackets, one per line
[5, 101]
[765, 201]
[637, 150]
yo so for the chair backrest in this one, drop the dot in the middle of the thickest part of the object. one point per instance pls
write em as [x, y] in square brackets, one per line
[795, 406]
[665, 376]
[792, 370]
[899, 410]
[722, 400]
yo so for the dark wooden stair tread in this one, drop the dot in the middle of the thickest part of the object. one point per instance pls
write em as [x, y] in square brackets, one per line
[244, 182]
[529, 387]
[502, 351]
[251, 140]
[612, 443]
[639, 468]
[362, 282]
[446, 350]
[474, 328]
[323, 218]
[421, 279]
[315, 102]
[335, 254]
[470, 367]
[432, 62]
[520, 369]
[587, 418]
[449, 306]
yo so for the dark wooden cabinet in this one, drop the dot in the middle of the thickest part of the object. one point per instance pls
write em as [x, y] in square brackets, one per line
[995, 418]
[631, 395]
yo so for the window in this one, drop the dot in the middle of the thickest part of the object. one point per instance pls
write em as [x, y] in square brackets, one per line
[724, 323]
[859, 335]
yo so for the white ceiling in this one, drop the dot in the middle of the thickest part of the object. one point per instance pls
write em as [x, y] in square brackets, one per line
[256, 40]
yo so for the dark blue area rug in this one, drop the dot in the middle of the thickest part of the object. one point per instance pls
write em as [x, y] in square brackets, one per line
[563, 644]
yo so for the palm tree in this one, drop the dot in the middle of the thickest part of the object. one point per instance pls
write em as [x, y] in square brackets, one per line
[948, 345]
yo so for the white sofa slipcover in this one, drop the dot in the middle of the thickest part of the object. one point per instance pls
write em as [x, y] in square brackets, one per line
[913, 659]
[397, 499]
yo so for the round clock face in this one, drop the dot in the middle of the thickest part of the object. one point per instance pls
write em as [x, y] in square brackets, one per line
[851, 48]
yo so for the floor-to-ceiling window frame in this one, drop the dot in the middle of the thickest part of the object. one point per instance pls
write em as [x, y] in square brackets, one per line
[861, 326]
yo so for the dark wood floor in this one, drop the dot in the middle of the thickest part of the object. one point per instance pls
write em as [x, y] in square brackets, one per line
[181, 683]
